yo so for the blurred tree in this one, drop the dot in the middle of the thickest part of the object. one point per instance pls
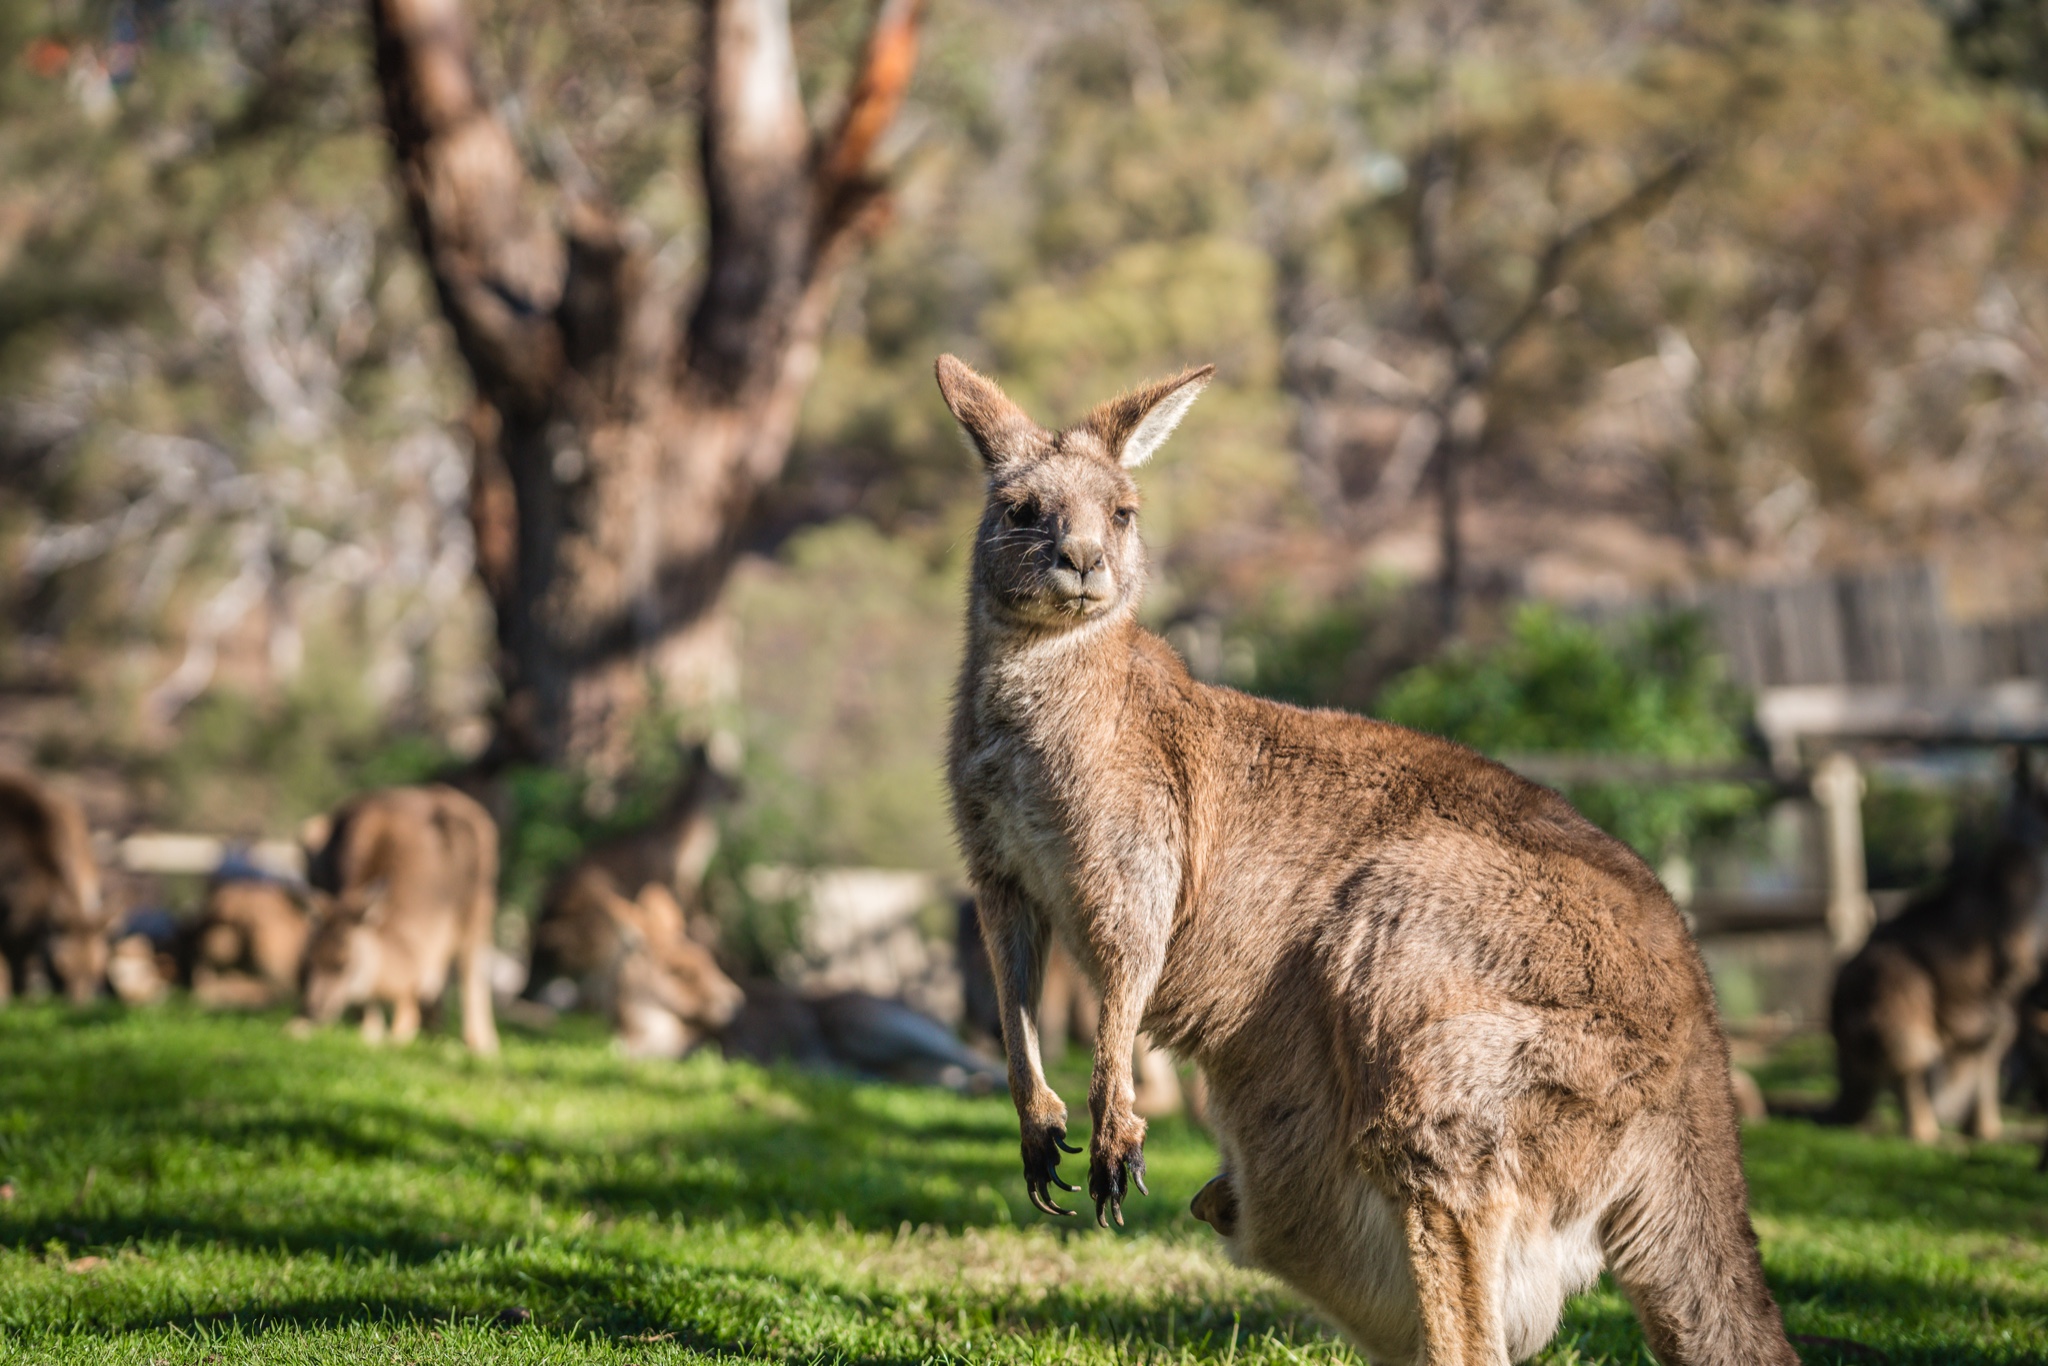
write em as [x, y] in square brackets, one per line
[2001, 40]
[620, 442]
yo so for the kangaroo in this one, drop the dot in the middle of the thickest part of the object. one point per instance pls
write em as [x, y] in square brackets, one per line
[633, 960]
[54, 919]
[1460, 1049]
[414, 875]
[851, 1031]
[1929, 1006]
[675, 850]
[248, 947]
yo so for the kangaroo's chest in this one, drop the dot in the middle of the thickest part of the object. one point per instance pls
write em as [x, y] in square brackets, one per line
[1024, 830]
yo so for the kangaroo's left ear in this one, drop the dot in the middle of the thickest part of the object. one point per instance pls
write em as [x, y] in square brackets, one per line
[1132, 426]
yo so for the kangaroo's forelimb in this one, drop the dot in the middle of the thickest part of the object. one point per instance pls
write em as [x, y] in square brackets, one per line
[1018, 941]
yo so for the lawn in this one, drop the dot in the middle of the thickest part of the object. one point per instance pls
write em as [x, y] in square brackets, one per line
[184, 1189]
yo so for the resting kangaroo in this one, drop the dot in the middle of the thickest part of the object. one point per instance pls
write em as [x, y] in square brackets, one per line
[249, 944]
[633, 960]
[1461, 1051]
[53, 918]
[414, 875]
[1937, 988]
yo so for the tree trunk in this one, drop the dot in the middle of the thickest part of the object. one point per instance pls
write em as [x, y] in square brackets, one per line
[1450, 573]
[1459, 431]
[619, 451]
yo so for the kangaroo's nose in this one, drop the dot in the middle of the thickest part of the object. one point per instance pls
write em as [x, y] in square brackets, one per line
[1079, 555]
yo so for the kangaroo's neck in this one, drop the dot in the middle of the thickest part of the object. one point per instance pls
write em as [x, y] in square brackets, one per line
[1062, 691]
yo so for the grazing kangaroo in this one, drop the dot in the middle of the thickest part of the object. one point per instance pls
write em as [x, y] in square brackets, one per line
[414, 875]
[54, 921]
[1928, 1007]
[1461, 1051]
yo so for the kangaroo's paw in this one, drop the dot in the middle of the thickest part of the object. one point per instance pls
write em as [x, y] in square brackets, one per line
[1115, 1164]
[1043, 1144]
[1216, 1204]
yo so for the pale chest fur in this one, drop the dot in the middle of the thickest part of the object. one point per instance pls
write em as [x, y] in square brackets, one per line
[1016, 826]
[1031, 746]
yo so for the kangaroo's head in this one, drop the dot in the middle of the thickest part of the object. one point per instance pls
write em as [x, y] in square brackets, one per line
[344, 956]
[1059, 542]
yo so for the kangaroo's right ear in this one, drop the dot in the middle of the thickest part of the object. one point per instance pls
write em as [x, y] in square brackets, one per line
[998, 427]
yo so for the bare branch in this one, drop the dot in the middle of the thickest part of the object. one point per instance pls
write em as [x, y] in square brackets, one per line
[1433, 190]
[496, 265]
[781, 211]
[756, 148]
[877, 94]
[1564, 250]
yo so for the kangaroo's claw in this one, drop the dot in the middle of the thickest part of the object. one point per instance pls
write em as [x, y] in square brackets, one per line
[1109, 1182]
[1042, 1168]
[1041, 1198]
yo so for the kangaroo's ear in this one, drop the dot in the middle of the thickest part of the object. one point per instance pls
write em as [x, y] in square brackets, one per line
[314, 832]
[998, 427]
[1132, 426]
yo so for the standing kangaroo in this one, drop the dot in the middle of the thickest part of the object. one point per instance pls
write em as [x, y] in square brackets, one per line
[53, 916]
[1935, 995]
[1461, 1051]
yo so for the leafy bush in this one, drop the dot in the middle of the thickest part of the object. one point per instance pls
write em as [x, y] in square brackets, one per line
[1916, 826]
[1653, 688]
[550, 815]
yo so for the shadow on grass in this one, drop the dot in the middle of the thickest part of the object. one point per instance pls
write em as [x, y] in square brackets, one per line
[737, 1312]
[752, 1148]
[748, 1146]
[746, 1313]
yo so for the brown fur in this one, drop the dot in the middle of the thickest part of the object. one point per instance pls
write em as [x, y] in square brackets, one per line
[1934, 996]
[54, 920]
[2033, 1044]
[1460, 1049]
[673, 851]
[249, 944]
[634, 961]
[414, 875]
[1068, 1009]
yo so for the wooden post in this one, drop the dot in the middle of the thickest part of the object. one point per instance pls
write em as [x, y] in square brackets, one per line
[1838, 787]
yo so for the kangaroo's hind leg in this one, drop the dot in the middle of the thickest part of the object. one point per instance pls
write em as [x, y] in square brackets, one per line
[1455, 1254]
[405, 1019]
[1681, 1247]
[1983, 1120]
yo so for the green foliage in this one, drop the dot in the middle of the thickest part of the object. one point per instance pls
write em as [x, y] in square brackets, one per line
[1338, 652]
[1916, 829]
[1560, 684]
[254, 768]
[551, 815]
[186, 1189]
[2001, 40]
[849, 648]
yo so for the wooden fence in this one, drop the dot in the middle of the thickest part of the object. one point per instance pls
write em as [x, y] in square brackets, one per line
[1889, 627]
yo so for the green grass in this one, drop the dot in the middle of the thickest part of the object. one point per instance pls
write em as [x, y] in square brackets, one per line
[195, 1190]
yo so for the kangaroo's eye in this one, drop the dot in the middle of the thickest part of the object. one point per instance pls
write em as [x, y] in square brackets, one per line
[1023, 514]
[1124, 516]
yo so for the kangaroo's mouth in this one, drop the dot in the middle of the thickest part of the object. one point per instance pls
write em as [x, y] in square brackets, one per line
[1075, 592]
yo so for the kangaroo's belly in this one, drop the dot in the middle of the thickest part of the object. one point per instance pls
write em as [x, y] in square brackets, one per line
[1306, 1213]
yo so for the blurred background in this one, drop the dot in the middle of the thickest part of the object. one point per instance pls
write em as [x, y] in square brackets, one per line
[1651, 395]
